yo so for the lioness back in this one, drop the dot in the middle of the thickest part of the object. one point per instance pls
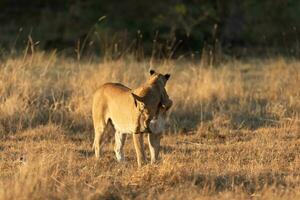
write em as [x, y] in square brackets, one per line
[114, 101]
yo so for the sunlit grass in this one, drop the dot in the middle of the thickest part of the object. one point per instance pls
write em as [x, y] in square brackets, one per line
[233, 131]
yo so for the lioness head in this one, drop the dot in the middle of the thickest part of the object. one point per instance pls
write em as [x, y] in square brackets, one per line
[158, 78]
[146, 111]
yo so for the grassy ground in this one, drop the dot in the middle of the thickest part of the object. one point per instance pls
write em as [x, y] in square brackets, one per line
[234, 131]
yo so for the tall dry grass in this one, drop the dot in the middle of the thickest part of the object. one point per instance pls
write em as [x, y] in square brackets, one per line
[233, 131]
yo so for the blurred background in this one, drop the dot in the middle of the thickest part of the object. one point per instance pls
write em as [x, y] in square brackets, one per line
[169, 28]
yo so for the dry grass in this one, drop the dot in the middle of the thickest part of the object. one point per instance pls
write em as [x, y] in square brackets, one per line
[233, 134]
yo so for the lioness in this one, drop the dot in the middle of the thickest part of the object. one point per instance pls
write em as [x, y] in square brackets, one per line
[130, 112]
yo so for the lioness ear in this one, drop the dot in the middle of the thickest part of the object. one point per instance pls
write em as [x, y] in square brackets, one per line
[152, 71]
[167, 76]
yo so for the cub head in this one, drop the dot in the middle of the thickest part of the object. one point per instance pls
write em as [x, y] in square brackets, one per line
[144, 114]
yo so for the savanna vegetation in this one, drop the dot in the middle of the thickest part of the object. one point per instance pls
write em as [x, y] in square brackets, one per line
[171, 28]
[233, 131]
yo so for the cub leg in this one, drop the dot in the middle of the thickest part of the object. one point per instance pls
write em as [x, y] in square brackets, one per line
[119, 144]
[154, 146]
[138, 141]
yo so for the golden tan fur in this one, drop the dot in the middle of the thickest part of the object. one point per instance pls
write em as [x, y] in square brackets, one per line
[130, 112]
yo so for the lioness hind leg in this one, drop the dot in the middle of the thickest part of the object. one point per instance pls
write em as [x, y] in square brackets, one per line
[99, 130]
[154, 146]
[119, 144]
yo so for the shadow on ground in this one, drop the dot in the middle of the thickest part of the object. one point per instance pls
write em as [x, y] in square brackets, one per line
[85, 153]
[249, 183]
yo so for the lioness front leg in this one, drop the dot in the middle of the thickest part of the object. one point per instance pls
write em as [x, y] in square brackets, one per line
[154, 146]
[138, 141]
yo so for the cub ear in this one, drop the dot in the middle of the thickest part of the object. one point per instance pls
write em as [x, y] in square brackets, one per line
[152, 71]
[167, 76]
[137, 99]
